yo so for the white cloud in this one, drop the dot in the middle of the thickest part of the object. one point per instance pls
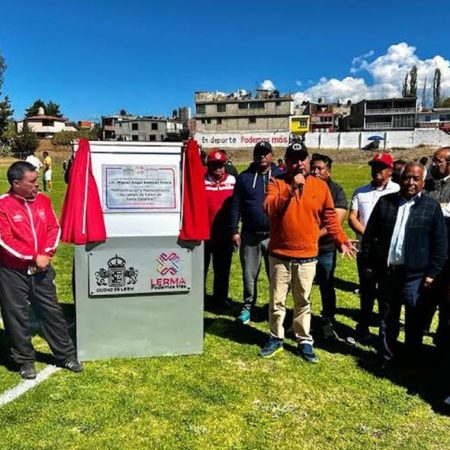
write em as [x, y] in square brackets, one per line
[387, 73]
[267, 85]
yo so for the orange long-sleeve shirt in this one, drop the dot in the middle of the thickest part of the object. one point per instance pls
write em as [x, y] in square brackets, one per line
[295, 219]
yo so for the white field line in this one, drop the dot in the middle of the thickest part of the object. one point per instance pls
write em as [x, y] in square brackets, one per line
[26, 385]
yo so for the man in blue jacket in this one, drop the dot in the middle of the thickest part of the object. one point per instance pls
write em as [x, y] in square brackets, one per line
[247, 205]
[404, 247]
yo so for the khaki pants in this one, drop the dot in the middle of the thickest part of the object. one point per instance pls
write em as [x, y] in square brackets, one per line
[300, 277]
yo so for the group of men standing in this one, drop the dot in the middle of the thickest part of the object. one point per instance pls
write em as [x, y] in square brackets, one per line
[292, 219]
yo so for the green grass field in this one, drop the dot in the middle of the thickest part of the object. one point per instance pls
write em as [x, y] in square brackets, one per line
[228, 397]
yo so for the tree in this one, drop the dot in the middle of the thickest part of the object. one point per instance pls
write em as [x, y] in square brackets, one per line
[425, 94]
[445, 103]
[52, 109]
[437, 88]
[26, 141]
[33, 110]
[405, 86]
[5, 106]
[413, 82]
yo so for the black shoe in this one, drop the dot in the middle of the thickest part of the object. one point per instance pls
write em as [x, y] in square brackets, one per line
[73, 365]
[27, 371]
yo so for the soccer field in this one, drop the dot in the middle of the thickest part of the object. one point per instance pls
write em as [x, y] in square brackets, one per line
[229, 397]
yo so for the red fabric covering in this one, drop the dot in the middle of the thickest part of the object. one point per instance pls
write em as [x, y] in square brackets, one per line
[195, 223]
[82, 220]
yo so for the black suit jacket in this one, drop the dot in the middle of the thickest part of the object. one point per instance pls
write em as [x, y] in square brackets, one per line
[425, 243]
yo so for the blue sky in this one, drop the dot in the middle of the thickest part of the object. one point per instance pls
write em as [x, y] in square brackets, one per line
[148, 57]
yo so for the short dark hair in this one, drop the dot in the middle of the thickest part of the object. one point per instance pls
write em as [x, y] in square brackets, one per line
[17, 171]
[45, 154]
[326, 159]
[400, 161]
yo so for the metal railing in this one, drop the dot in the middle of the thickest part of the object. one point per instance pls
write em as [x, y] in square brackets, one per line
[377, 125]
[371, 112]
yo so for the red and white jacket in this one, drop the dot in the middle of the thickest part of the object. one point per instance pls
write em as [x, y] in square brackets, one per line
[28, 228]
[218, 198]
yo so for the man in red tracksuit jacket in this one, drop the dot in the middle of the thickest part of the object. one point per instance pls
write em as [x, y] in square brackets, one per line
[29, 235]
[219, 188]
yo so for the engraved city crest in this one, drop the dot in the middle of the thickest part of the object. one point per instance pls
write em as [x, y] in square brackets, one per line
[116, 275]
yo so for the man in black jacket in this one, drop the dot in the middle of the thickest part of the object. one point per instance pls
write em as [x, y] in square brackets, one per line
[247, 204]
[326, 263]
[405, 247]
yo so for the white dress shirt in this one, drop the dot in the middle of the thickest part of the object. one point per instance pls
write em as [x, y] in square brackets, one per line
[396, 249]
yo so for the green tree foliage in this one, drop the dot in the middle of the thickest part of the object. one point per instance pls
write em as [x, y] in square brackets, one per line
[33, 110]
[405, 86]
[66, 137]
[52, 109]
[437, 88]
[5, 106]
[413, 82]
[26, 141]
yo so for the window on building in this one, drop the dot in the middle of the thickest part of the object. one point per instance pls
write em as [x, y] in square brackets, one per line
[257, 105]
[152, 137]
[208, 120]
[134, 137]
[221, 107]
[201, 109]
[120, 124]
[154, 125]
[203, 121]
[252, 120]
[48, 123]
[219, 121]
[444, 117]
[243, 105]
[134, 126]
[162, 137]
[427, 118]
[303, 123]
[277, 103]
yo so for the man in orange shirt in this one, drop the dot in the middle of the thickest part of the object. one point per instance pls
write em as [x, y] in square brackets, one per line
[297, 204]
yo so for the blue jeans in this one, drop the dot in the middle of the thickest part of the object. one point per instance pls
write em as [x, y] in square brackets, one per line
[326, 265]
[397, 288]
[254, 248]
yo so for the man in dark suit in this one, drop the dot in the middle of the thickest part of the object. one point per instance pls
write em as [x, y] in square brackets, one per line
[405, 248]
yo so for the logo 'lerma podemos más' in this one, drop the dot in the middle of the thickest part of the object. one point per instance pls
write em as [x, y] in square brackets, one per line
[168, 268]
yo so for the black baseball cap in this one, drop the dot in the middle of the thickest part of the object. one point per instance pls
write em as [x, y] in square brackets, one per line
[296, 150]
[262, 148]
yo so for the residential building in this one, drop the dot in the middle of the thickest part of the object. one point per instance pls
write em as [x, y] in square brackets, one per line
[86, 125]
[382, 114]
[108, 125]
[218, 112]
[45, 126]
[434, 118]
[326, 117]
[147, 128]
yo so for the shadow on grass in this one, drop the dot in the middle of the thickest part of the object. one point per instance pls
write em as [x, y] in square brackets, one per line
[427, 377]
[345, 285]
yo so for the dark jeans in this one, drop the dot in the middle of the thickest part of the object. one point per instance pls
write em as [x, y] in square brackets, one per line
[254, 248]
[221, 253]
[17, 291]
[397, 288]
[326, 265]
[367, 295]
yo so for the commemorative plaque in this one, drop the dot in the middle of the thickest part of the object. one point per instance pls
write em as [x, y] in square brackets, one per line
[139, 188]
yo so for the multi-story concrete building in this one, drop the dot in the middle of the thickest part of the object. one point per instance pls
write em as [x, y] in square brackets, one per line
[241, 112]
[146, 128]
[382, 114]
[326, 117]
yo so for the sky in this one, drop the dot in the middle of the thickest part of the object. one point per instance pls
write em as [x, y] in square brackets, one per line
[96, 57]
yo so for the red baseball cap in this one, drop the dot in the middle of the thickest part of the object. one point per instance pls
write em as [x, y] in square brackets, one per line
[382, 158]
[217, 155]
